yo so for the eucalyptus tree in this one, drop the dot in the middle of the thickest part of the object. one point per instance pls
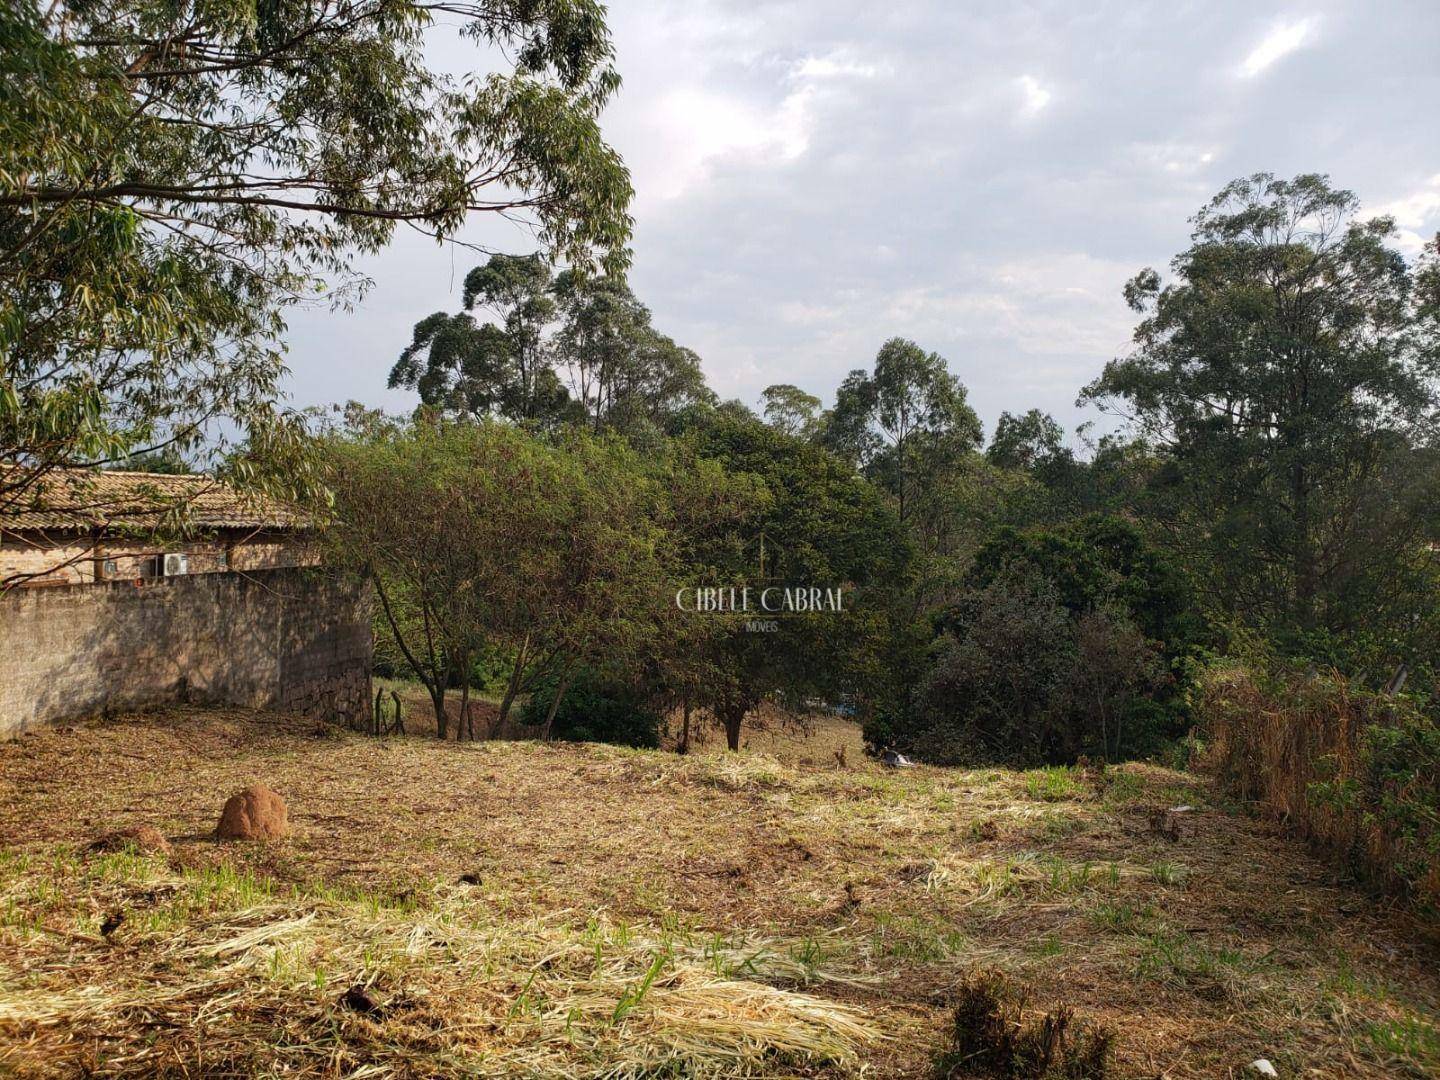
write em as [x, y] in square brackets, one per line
[1025, 441]
[1287, 375]
[475, 369]
[791, 410]
[627, 376]
[175, 173]
[904, 421]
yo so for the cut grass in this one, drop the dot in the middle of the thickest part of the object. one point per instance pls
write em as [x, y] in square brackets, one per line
[454, 989]
[534, 910]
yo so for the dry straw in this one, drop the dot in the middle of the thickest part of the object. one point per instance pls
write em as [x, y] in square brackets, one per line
[191, 983]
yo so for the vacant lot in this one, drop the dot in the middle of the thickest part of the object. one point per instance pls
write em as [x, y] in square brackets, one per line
[512, 909]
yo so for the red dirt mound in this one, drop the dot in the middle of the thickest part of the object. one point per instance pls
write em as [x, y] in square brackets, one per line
[257, 813]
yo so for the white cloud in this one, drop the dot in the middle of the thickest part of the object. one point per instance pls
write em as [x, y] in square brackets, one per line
[1174, 157]
[1045, 305]
[798, 313]
[1035, 96]
[697, 126]
[1283, 39]
[1417, 215]
[835, 65]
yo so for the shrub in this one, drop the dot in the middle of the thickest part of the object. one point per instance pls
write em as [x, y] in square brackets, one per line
[1356, 772]
[597, 708]
[1066, 642]
[989, 693]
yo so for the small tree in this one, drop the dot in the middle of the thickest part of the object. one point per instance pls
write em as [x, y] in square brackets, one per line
[486, 537]
[820, 525]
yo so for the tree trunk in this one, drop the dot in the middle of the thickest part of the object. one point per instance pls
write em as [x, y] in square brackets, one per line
[560, 688]
[437, 699]
[684, 746]
[466, 728]
[514, 684]
[733, 717]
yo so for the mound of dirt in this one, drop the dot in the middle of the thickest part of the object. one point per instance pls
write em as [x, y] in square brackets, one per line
[257, 813]
[144, 838]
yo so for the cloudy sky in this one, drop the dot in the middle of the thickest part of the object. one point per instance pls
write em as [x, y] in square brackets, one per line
[814, 177]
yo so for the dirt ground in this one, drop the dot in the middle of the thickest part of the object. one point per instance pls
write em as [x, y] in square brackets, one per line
[1203, 938]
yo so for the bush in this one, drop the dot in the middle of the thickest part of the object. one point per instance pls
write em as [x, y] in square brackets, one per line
[989, 693]
[1024, 682]
[597, 708]
[1356, 772]
[1066, 642]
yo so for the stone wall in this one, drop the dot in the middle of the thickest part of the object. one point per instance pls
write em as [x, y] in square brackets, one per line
[293, 638]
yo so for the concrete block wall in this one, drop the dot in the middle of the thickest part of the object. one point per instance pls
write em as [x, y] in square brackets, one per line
[293, 638]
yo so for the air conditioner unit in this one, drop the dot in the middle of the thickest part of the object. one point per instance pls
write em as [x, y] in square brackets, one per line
[176, 564]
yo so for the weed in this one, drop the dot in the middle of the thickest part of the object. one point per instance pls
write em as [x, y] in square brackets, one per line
[1054, 783]
[990, 1037]
[1411, 1040]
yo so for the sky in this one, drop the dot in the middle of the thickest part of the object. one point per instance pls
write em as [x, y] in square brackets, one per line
[814, 178]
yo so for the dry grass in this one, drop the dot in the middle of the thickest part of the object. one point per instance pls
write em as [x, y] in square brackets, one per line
[627, 913]
[1282, 742]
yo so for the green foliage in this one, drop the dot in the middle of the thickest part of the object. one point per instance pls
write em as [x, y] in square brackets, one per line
[626, 376]
[819, 524]
[476, 370]
[483, 539]
[1289, 374]
[597, 707]
[904, 422]
[1066, 641]
[174, 175]
[1026, 441]
[791, 410]
[1098, 561]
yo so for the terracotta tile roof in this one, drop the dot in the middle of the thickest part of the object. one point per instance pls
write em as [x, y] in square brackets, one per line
[87, 499]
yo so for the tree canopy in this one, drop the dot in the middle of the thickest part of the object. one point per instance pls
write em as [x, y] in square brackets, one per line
[904, 420]
[1288, 375]
[174, 175]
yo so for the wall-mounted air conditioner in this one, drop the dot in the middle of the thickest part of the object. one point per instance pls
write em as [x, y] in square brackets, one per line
[176, 564]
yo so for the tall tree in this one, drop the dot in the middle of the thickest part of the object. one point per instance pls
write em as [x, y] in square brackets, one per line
[173, 175]
[791, 410]
[905, 420]
[1025, 441]
[478, 369]
[1288, 374]
[628, 376]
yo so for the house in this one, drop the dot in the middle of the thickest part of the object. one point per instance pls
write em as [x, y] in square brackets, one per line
[78, 525]
[122, 590]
